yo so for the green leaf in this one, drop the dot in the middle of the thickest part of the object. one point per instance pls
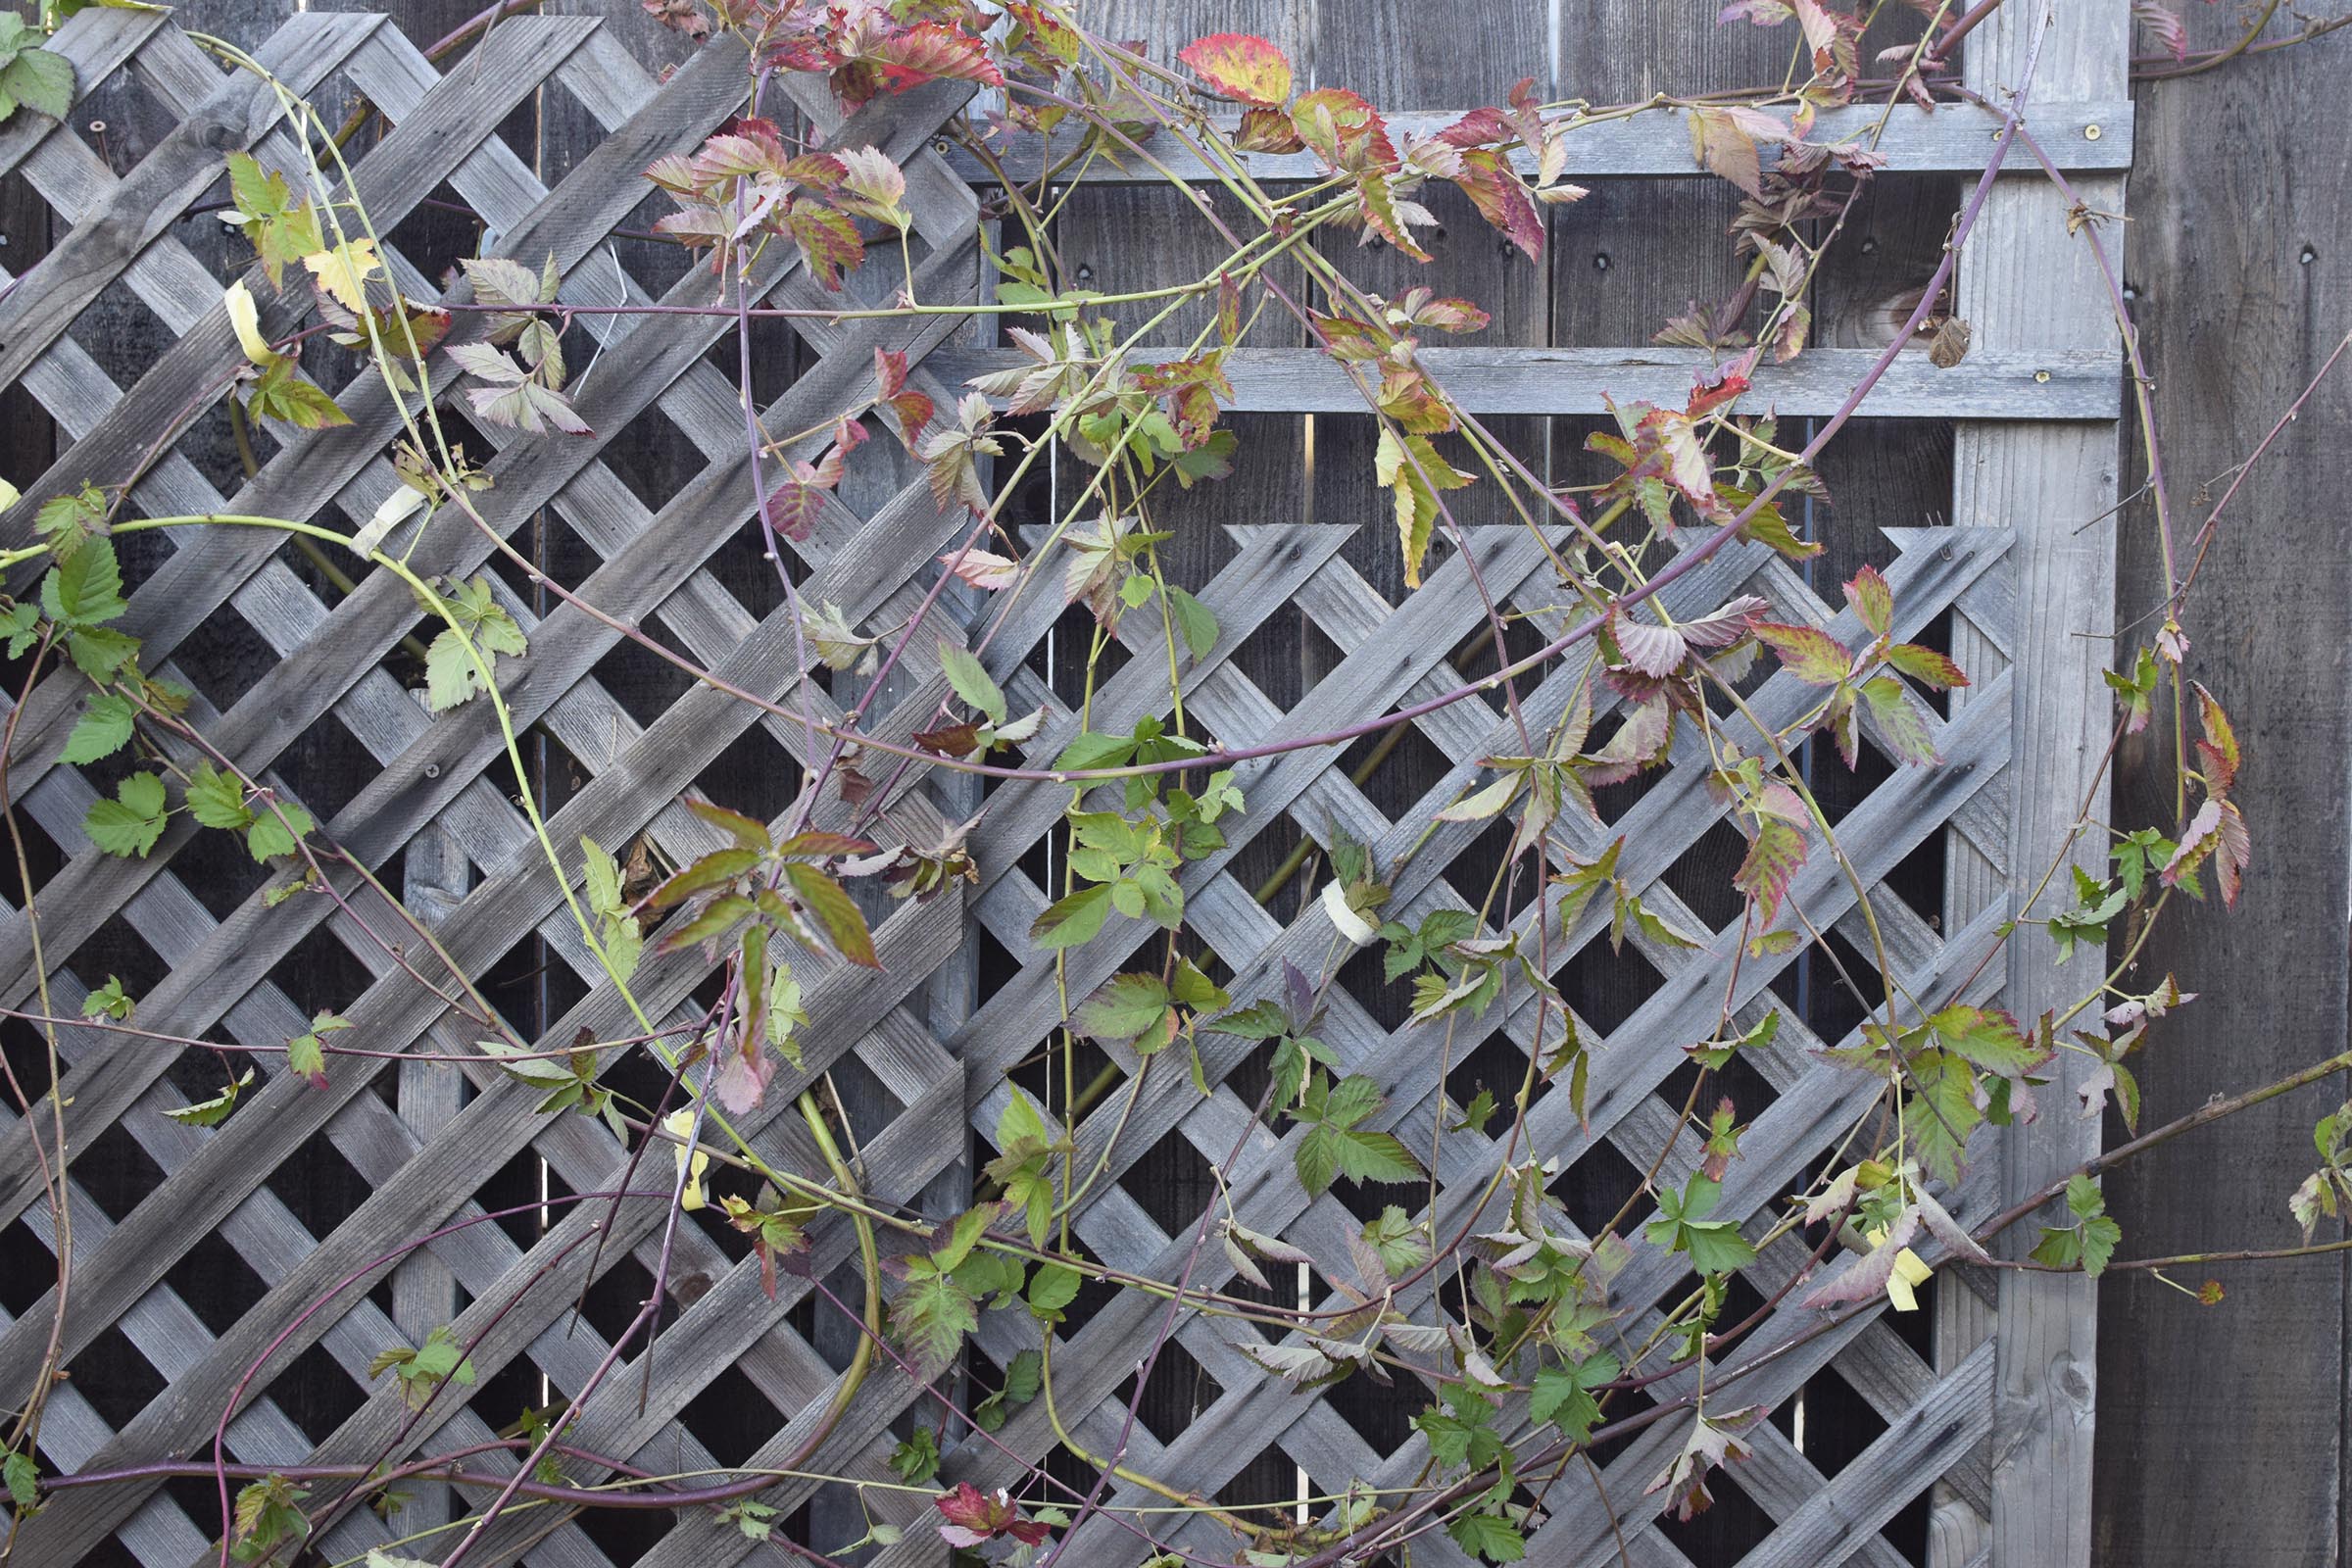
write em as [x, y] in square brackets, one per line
[283, 394]
[271, 837]
[305, 1054]
[103, 729]
[1067, 922]
[1560, 1395]
[1988, 1038]
[931, 1316]
[1902, 722]
[98, 652]
[1871, 599]
[22, 1478]
[601, 879]
[217, 800]
[1052, 1288]
[108, 1000]
[86, 589]
[1087, 752]
[1716, 1246]
[964, 1236]
[2099, 1239]
[1126, 1005]
[1194, 620]
[916, 1460]
[1330, 1150]
[130, 823]
[1488, 1537]
[39, 80]
[22, 623]
[971, 681]
[214, 1112]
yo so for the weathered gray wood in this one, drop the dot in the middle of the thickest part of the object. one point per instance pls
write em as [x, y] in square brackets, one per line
[2025, 278]
[2022, 384]
[2222, 1433]
[149, 200]
[1952, 137]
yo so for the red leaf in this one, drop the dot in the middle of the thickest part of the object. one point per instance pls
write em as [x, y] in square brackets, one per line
[795, 504]
[833, 911]
[1808, 653]
[2217, 753]
[1708, 397]
[1871, 599]
[929, 52]
[1240, 66]
[1344, 130]
[1266, 131]
[983, 568]
[827, 239]
[1775, 857]
[1494, 190]
[1652, 649]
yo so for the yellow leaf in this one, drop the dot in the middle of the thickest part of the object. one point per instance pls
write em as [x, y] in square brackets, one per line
[679, 1124]
[1909, 1274]
[246, 317]
[344, 271]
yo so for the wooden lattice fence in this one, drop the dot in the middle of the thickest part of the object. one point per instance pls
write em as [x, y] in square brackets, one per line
[307, 1185]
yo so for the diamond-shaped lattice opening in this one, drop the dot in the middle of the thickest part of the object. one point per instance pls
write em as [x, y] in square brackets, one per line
[1837, 1424]
[118, 949]
[1179, 1392]
[641, 681]
[730, 1416]
[627, 1535]
[1382, 1416]
[28, 1057]
[321, 974]
[1476, 873]
[320, 1395]
[1596, 1188]
[656, 461]
[22, 1283]
[42, 858]
[1701, 875]
[1496, 1066]
[119, 331]
[1736, 1080]
[1726, 1529]
[1841, 986]
[618, 1295]
[325, 769]
[223, 657]
[117, 1380]
[1918, 878]
[751, 774]
[1605, 988]
[520, 1185]
[113, 1171]
[318, 1185]
[1173, 1182]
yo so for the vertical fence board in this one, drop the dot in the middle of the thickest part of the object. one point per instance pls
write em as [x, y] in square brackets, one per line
[2024, 277]
[2222, 1430]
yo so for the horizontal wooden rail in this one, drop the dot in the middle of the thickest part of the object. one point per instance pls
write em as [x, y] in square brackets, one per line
[2067, 385]
[1952, 138]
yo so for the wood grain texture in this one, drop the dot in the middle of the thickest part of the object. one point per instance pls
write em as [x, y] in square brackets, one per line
[2023, 277]
[1951, 138]
[2222, 1433]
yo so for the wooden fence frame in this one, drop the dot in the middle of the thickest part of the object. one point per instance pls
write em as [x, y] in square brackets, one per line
[2029, 563]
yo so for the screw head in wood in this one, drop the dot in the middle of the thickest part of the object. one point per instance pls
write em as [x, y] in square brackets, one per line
[2042, 375]
[2091, 133]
